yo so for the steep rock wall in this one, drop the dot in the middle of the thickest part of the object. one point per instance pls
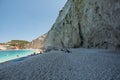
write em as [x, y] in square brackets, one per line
[86, 23]
[37, 43]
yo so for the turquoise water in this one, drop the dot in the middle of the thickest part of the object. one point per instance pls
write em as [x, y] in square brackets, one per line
[13, 54]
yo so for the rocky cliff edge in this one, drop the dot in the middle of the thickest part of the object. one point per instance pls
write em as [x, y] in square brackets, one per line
[88, 24]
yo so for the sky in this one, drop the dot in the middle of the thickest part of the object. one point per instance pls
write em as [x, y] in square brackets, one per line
[27, 19]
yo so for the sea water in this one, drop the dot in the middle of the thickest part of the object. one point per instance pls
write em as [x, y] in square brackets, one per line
[13, 54]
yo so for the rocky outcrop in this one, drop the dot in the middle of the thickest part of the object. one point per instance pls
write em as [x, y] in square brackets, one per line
[37, 43]
[86, 23]
[2, 47]
[6, 47]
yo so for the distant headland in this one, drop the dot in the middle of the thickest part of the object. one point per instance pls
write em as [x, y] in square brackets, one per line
[13, 44]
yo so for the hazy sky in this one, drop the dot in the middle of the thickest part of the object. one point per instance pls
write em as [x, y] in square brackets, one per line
[27, 19]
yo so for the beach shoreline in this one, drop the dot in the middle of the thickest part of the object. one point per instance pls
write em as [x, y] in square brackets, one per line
[76, 65]
[19, 54]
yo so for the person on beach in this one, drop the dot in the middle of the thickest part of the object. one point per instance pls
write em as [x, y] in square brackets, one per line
[34, 53]
[17, 55]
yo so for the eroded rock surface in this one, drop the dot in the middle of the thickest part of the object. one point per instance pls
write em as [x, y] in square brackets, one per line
[87, 23]
[37, 43]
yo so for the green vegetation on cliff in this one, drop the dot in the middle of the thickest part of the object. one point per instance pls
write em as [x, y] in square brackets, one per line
[18, 43]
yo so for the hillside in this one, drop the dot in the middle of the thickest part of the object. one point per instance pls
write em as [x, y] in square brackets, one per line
[17, 43]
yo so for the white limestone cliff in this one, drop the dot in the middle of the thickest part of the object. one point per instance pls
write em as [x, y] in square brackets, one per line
[37, 43]
[86, 23]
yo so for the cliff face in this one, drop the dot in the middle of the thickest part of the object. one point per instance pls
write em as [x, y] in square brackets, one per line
[87, 23]
[37, 43]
